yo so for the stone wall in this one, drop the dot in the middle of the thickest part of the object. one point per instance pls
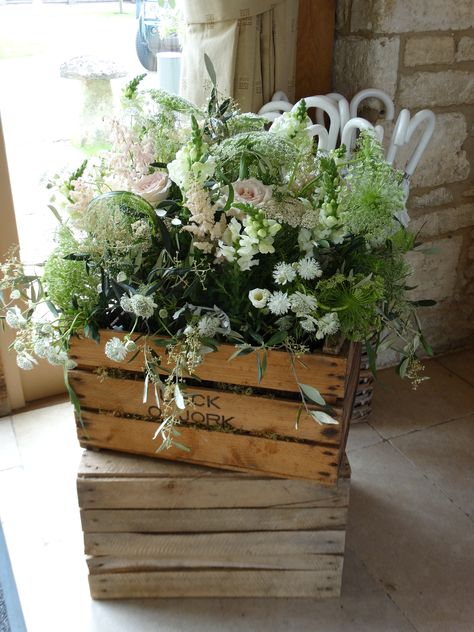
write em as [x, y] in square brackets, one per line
[422, 54]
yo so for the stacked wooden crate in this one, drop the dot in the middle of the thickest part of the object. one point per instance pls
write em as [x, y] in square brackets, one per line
[154, 528]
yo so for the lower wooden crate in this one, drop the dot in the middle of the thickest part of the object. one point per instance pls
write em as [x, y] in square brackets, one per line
[154, 528]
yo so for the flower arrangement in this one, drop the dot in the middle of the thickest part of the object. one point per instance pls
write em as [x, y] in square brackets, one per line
[202, 227]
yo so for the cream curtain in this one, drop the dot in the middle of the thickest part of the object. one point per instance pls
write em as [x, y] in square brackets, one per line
[252, 44]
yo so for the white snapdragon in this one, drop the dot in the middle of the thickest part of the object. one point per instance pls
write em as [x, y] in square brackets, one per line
[309, 269]
[328, 325]
[138, 304]
[115, 350]
[284, 273]
[14, 318]
[184, 169]
[279, 303]
[259, 297]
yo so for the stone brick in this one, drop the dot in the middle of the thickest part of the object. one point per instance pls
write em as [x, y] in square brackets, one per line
[435, 274]
[361, 63]
[429, 89]
[400, 16]
[436, 197]
[444, 221]
[468, 192]
[465, 50]
[421, 51]
[342, 14]
[444, 160]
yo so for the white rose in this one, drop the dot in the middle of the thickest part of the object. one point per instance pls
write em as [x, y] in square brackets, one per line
[252, 191]
[153, 187]
[259, 297]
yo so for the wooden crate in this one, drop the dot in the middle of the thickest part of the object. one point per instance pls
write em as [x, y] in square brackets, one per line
[161, 529]
[263, 437]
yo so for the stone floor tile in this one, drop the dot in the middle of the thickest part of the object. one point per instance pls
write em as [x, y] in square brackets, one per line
[397, 409]
[445, 454]
[362, 435]
[412, 539]
[9, 455]
[363, 606]
[460, 363]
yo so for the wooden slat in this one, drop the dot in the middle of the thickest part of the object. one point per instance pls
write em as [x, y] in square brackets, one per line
[211, 407]
[109, 564]
[215, 449]
[207, 493]
[216, 583]
[103, 463]
[326, 373]
[234, 544]
[211, 520]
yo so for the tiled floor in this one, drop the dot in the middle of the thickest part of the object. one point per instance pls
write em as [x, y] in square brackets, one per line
[410, 540]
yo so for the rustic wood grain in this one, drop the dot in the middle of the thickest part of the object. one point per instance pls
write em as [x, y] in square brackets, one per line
[222, 450]
[314, 52]
[316, 562]
[211, 520]
[234, 544]
[216, 583]
[326, 373]
[211, 407]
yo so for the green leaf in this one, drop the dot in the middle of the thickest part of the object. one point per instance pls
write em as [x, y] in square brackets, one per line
[423, 303]
[52, 308]
[312, 393]
[298, 417]
[181, 446]
[372, 357]
[257, 337]
[230, 199]
[402, 367]
[323, 418]
[161, 342]
[241, 351]
[178, 397]
[277, 338]
[426, 345]
[211, 71]
[55, 212]
[259, 367]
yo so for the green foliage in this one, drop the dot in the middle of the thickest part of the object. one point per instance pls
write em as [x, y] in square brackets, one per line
[69, 285]
[355, 299]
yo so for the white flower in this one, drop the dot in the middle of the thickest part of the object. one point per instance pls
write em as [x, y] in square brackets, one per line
[309, 268]
[71, 364]
[279, 303]
[55, 356]
[208, 326]
[15, 295]
[284, 273]
[308, 324]
[142, 305]
[41, 347]
[14, 318]
[139, 305]
[153, 187]
[25, 361]
[251, 191]
[259, 297]
[121, 277]
[19, 346]
[327, 325]
[115, 350]
[302, 304]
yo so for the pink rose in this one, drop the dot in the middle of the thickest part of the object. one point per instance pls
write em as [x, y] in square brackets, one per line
[252, 191]
[153, 187]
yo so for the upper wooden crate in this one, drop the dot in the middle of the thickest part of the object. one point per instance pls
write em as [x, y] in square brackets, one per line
[225, 429]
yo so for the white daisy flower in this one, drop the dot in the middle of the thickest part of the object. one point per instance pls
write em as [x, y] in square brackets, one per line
[284, 273]
[279, 303]
[115, 350]
[309, 268]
